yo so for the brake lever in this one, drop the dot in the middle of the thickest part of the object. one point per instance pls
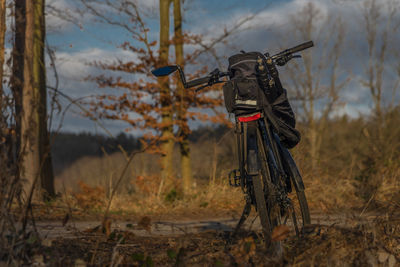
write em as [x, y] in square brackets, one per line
[285, 59]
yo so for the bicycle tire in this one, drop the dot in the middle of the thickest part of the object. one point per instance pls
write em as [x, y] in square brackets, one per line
[276, 211]
[305, 212]
[273, 214]
[261, 206]
[297, 183]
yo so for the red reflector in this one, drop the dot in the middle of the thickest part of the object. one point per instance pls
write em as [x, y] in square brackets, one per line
[250, 118]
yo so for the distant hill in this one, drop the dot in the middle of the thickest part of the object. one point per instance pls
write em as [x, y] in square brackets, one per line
[69, 147]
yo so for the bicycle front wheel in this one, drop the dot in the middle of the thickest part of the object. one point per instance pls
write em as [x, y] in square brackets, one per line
[299, 199]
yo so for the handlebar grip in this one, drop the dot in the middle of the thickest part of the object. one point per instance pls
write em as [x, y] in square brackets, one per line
[198, 81]
[301, 47]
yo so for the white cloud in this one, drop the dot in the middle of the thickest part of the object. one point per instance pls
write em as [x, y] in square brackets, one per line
[151, 4]
[276, 16]
[76, 64]
[352, 111]
[63, 15]
[72, 69]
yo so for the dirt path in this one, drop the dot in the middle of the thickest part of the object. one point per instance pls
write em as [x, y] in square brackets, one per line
[333, 240]
[148, 227]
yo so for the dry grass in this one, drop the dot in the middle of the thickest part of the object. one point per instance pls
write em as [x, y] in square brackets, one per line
[330, 194]
[208, 200]
[104, 171]
[90, 181]
[357, 168]
[138, 192]
[216, 200]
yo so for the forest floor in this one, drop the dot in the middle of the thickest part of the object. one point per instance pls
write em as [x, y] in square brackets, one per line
[336, 239]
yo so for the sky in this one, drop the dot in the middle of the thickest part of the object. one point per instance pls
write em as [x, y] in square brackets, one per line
[78, 39]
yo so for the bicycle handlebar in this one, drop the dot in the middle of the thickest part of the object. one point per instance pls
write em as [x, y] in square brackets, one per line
[300, 47]
[210, 79]
[280, 59]
[283, 57]
[198, 81]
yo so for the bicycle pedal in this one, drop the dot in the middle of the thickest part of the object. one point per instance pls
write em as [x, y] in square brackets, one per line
[234, 178]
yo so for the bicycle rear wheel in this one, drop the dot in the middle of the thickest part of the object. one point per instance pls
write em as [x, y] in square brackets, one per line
[287, 209]
[267, 192]
[255, 174]
[262, 206]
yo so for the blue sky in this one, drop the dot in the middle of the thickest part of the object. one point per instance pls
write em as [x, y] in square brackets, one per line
[71, 38]
[76, 46]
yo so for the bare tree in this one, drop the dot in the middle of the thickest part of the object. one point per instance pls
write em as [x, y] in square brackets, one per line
[30, 102]
[3, 122]
[382, 23]
[186, 168]
[17, 78]
[2, 34]
[3, 105]
[29, 150]
[167, 135]
[39, 79]
[313, 90]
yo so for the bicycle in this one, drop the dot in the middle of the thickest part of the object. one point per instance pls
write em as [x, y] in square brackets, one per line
[267, 172]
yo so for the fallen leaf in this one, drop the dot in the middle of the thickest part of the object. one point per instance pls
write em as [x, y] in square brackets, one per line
[382, 256]
[47, 242]
[145, 223]
[107, 227]
[281, 232]
[93, 229]
[80, 263]
[38, 260]
[392, 261]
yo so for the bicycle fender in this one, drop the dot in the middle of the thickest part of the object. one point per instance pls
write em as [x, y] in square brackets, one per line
[291, 167]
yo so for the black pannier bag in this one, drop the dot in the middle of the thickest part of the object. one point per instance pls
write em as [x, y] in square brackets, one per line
[284, 120]
[243, 94]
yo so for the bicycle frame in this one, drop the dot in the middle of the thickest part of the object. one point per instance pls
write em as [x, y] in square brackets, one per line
[246, 142]
[259, 148]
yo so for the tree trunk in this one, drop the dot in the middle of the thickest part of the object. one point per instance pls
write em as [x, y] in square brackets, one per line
[29, 150]
[39, 78]
[4, 133]
[165, 97]
[2, 33]
[186, 168]
[313, 136]
[17, 77]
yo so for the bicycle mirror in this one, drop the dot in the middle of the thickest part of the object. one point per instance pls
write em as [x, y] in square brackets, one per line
[163, 71]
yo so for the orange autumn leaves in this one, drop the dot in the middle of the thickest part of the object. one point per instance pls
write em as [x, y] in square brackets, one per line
[135, 97]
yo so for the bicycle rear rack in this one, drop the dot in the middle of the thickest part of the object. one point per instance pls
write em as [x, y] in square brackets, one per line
[234, 178]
